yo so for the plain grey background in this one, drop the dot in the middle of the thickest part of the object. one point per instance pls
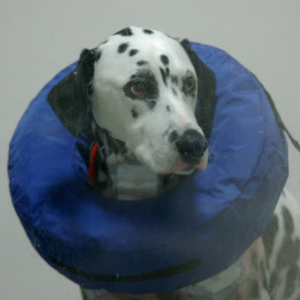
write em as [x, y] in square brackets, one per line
[39, 38]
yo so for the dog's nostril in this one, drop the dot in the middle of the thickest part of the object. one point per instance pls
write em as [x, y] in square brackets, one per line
[191, 146]
[173, 136]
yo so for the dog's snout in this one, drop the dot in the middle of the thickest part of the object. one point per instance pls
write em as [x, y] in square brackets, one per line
[173, 136]
[191, 146]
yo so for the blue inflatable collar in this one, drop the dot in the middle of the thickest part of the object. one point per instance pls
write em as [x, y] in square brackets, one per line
[158, 244]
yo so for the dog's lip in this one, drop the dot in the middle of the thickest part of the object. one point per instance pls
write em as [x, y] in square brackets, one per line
[204, 161]
[182, 167]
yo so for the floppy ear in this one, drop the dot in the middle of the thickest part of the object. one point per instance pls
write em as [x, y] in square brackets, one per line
[70, 97]
[206, 89]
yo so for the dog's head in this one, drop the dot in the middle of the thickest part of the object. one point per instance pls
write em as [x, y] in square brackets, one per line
[141, 86]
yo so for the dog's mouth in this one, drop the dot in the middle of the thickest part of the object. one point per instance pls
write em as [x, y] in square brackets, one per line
[180, 167]
[184, 168]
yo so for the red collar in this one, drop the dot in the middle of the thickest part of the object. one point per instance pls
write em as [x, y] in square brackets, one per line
[93, 167]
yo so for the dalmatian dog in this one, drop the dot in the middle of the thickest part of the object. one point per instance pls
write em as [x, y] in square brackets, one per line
[135, 96]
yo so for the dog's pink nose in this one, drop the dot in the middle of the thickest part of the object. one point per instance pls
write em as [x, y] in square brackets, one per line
[191, 146]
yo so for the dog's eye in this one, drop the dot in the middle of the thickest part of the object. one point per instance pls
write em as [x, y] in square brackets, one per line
[189, 83]
[138, 88]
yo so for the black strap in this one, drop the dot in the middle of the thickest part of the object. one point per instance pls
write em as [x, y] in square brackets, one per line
[187, 266]
[280, 123]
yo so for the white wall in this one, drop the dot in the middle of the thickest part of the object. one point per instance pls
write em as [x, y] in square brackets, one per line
[39, 38]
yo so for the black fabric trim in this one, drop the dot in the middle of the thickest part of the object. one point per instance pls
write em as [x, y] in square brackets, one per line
[187, 266]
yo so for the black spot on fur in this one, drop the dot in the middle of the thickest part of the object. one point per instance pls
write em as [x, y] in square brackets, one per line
[273, 281]
[174, 92]
[291, 277]
[288, 253]
[125, 32]
[287, 256]
[254, 293]
[104, 42]
[148, 79]
[174, 79]
[174, 135]
[167, 72]
[147, 31]
[164, 59]
[163, 75]
[282, 257]
[288, 221]
[134, 113]
[122, 48]
[168, 108]
[264, 275]
[151, 103]
[97, 56]
[269, 234]
[141, 63]
[133, 52]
